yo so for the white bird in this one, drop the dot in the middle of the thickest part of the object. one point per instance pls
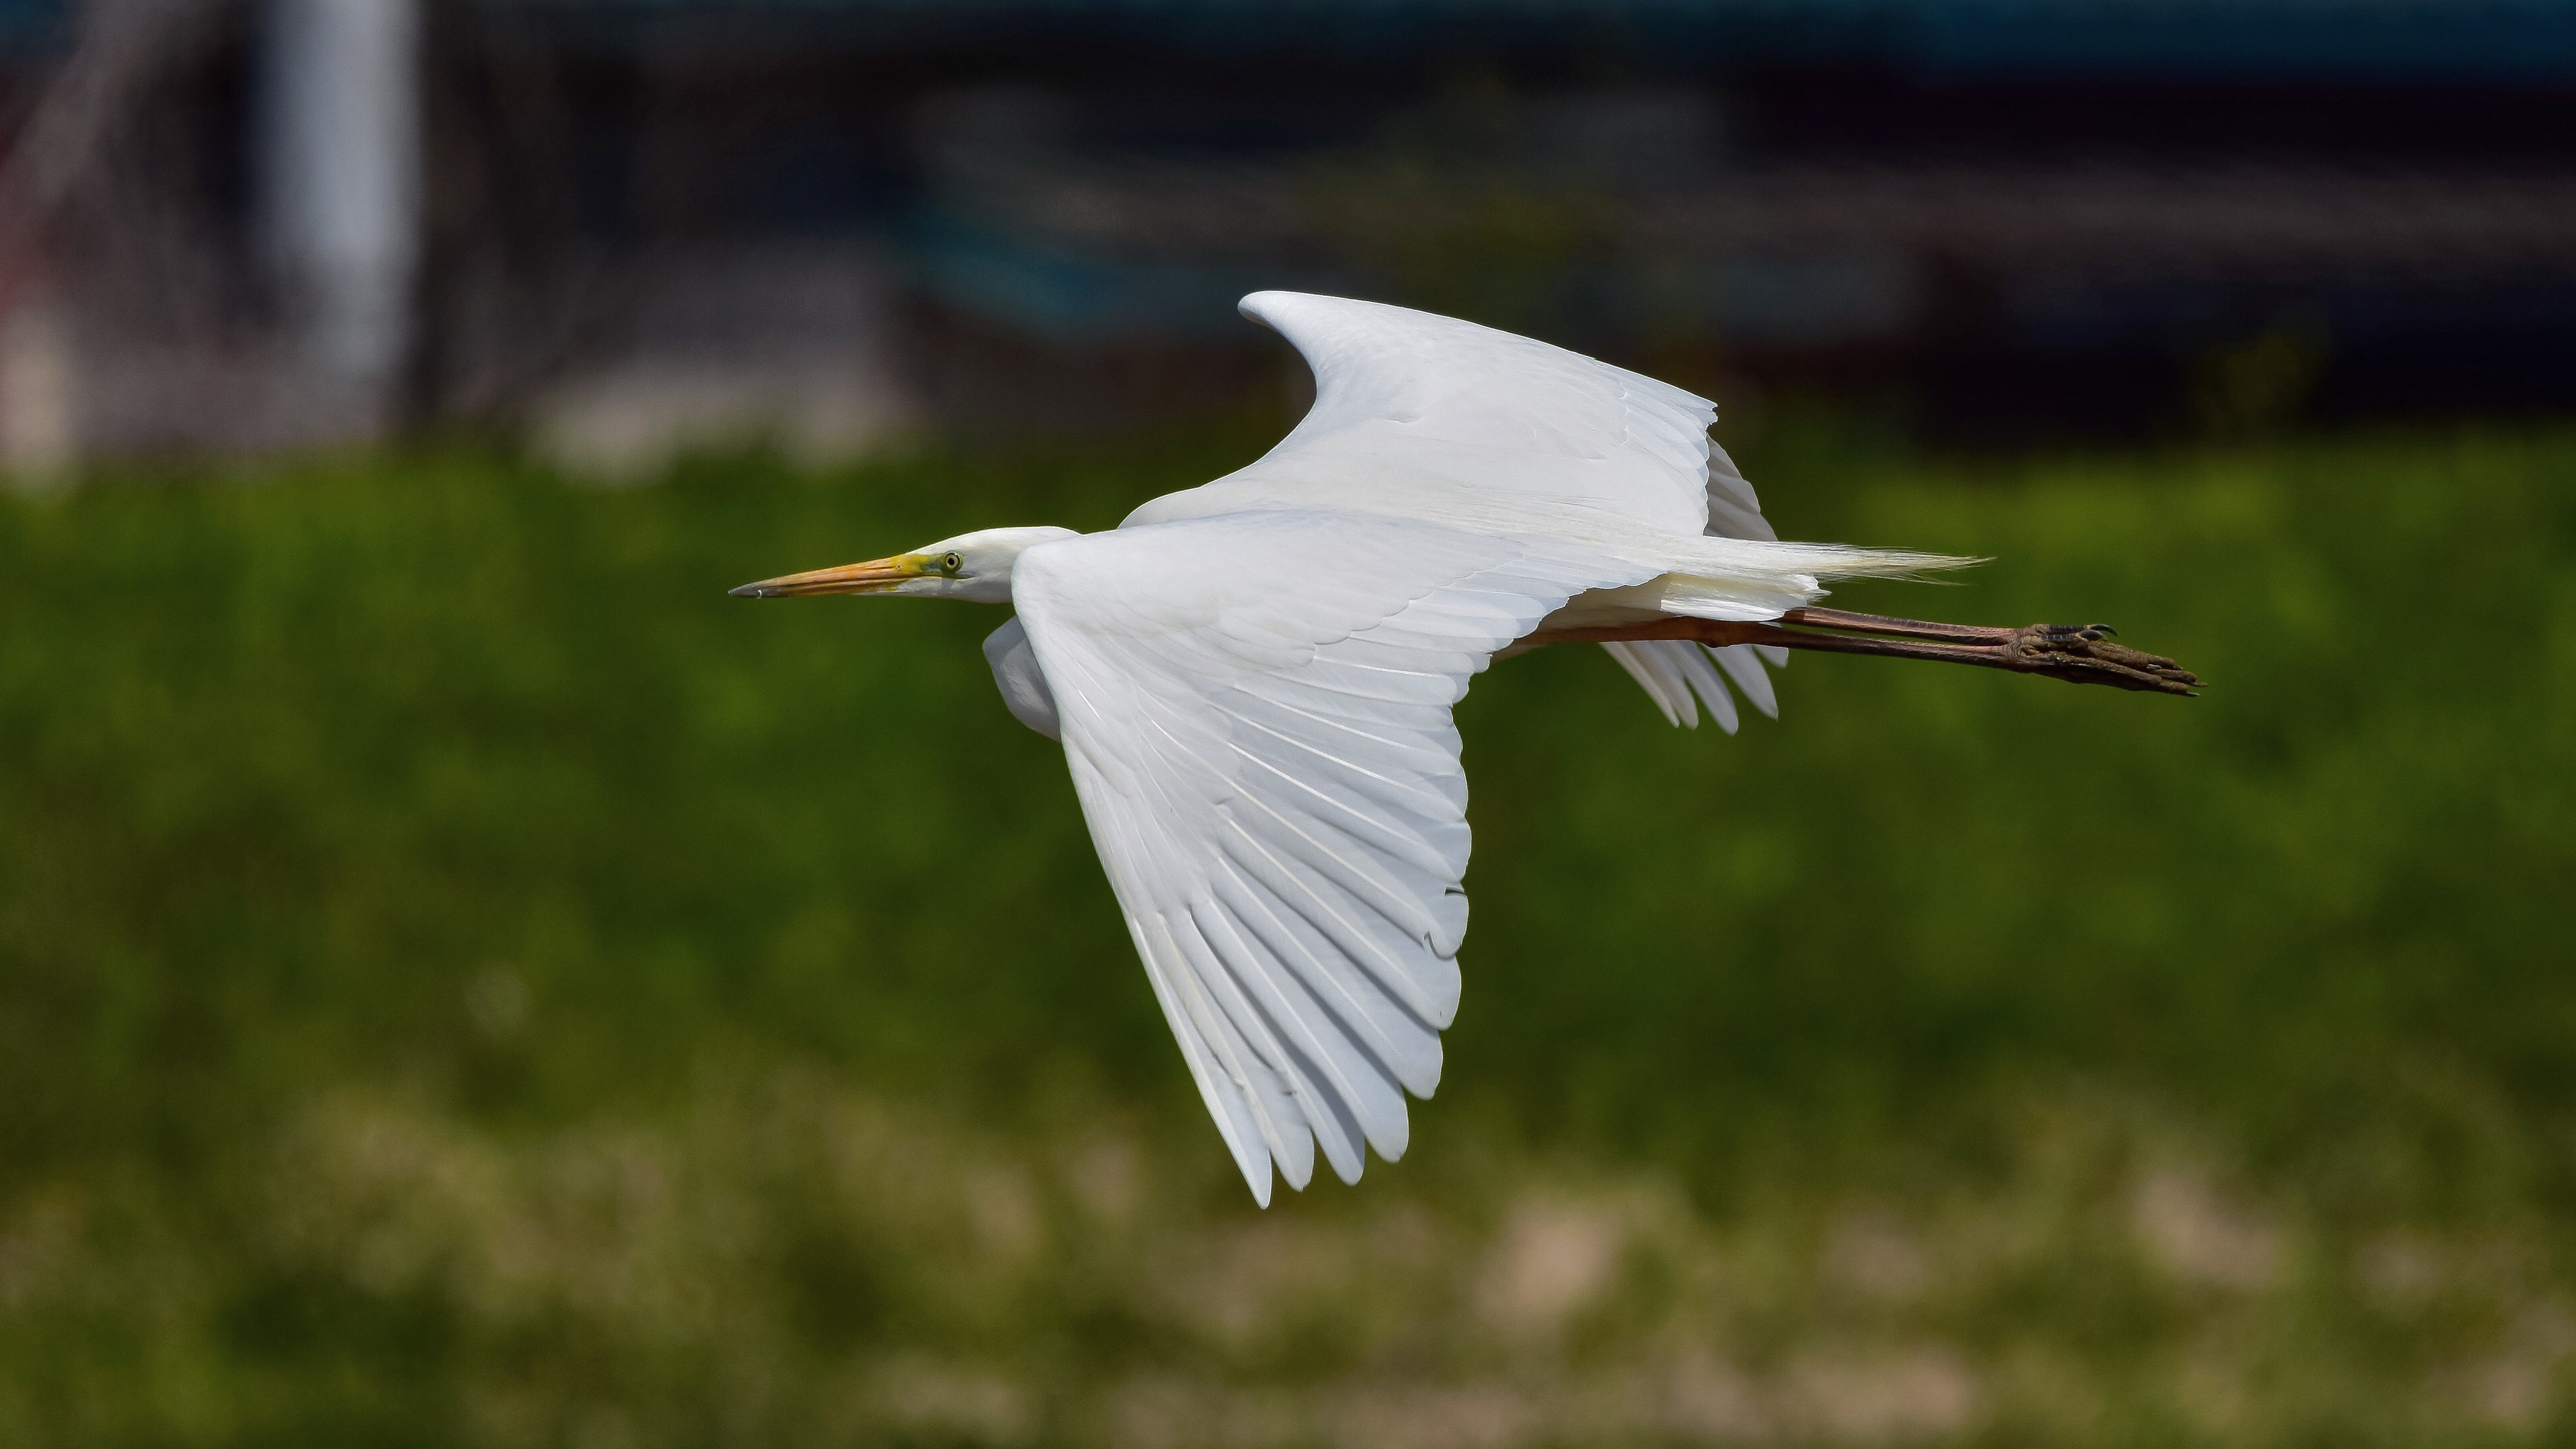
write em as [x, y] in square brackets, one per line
[1252, 680]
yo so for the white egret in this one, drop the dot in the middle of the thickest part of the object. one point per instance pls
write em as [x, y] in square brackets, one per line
[1252, 680]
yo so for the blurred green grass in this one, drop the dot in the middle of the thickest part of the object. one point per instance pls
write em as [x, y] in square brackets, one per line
[465, 980]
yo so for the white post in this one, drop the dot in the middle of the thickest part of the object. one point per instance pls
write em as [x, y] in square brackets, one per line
[340, 194]
[39, 378]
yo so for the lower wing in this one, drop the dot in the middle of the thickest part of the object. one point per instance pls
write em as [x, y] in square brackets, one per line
[1256, 711]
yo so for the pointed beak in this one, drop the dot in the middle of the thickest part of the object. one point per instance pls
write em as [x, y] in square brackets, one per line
[874, 576]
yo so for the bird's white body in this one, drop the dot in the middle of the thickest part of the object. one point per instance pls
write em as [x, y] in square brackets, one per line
[1253, 679]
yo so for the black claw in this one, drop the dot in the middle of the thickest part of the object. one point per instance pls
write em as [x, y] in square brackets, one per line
[2105, 629]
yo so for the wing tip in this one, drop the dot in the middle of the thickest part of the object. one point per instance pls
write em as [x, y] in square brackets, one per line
[1258, 306]
[1277, 310]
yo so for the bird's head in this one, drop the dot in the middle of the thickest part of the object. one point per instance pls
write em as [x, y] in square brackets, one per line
[974, 566]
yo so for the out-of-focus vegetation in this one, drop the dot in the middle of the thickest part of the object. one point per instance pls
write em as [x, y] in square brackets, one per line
[465, 981]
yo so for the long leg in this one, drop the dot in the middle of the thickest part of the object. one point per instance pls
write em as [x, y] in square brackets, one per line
[2076, 653]
[1925, 628]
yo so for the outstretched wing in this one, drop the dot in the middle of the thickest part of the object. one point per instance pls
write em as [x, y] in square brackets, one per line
[1255, 708]
[1415, 411]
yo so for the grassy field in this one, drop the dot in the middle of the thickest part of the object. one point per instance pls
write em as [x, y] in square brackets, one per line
[465, 981]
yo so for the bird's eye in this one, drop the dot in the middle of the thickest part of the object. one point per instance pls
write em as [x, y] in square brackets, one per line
[951, 563]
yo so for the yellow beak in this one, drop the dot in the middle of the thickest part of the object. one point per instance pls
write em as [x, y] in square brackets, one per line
[874, 576]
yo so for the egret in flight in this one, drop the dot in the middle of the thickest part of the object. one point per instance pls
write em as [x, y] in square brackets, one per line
[1252, 680]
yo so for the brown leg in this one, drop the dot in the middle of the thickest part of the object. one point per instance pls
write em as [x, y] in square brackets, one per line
[2078, 654]
[1920, 628]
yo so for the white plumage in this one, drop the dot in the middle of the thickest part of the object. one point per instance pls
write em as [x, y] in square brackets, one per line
[1253, 680]
[1272, 781]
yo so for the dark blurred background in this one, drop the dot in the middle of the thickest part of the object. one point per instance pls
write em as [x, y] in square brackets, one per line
[616, 223]
[466, 981]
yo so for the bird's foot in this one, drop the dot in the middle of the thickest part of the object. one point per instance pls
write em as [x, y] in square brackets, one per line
[2086, 654]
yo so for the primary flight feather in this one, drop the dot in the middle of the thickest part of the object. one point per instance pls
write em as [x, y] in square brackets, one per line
[1253, 679]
